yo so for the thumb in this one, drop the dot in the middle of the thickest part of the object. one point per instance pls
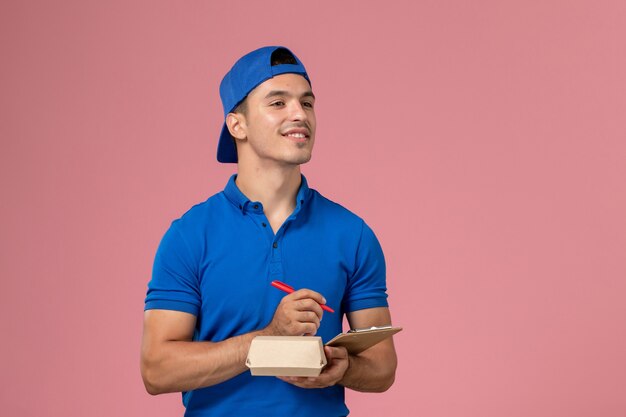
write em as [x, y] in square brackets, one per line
[338, 352]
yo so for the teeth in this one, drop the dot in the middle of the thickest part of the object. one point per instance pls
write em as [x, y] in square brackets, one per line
[297, 135]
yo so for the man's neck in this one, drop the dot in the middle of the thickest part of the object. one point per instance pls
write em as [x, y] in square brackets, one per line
[276, 188]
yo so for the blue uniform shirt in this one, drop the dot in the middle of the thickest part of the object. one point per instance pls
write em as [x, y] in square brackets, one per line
[217, 261]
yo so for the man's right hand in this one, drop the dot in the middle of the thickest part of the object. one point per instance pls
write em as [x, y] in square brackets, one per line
[298, 313]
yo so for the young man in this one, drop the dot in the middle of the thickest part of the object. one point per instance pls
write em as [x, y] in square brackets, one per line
[210, 292]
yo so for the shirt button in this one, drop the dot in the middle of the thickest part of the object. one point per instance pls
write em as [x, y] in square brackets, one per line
[275, 245]
[263, 224]
[256, 206]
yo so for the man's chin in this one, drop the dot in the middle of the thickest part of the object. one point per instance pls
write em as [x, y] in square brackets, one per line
[305, 160]
[300, 159]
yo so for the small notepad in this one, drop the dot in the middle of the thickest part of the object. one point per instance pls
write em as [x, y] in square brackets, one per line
[358, 340]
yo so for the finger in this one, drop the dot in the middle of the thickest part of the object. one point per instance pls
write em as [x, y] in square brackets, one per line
[306, 329]
[309, 329]
[307, 304]
[305, 382]
[308, 317]
[301, 304]
[293, 379]
[303, 329]
[338, 352]
[306, 293]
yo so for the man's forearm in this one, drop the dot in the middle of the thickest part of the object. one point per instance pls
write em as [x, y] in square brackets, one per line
[176, 366]
[369, 374]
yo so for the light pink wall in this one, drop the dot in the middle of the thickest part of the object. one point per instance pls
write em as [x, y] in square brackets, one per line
[483, 141]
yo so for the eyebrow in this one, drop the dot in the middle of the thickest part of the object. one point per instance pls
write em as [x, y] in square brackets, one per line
[275, 93]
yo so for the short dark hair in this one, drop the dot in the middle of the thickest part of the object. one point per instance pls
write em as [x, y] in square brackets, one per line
[279, 57]
[242, 107]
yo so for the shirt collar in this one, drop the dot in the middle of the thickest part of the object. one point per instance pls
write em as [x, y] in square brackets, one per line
[235, 196]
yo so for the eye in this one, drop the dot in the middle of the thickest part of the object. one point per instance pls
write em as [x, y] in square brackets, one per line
[308, 104]
[277, 103]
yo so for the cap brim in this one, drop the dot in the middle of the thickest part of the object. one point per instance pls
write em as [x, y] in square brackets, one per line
[226, 150]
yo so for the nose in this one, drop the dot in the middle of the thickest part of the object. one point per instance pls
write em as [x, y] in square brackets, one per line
[297, 112]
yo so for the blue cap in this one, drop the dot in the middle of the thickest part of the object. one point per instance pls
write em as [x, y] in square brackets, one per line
[247, 73]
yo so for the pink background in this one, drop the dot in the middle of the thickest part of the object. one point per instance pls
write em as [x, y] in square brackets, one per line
[484, 142]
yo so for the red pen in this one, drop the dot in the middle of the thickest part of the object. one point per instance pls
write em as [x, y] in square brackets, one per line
[289, 289]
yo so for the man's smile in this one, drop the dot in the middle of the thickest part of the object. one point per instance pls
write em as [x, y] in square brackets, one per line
[297, 134]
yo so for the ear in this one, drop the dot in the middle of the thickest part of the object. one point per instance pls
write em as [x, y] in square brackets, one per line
[236, 123]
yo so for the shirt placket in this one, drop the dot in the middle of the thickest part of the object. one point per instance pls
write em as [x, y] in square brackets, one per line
[276, 270]
[276, 266]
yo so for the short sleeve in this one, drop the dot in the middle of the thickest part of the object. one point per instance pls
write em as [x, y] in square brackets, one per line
[174, 284]
[367, 287]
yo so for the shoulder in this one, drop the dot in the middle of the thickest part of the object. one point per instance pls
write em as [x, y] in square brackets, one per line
[332, 206]
[202, 214]
[336, 214]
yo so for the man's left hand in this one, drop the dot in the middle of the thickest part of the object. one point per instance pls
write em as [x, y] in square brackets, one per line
[332, 373]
